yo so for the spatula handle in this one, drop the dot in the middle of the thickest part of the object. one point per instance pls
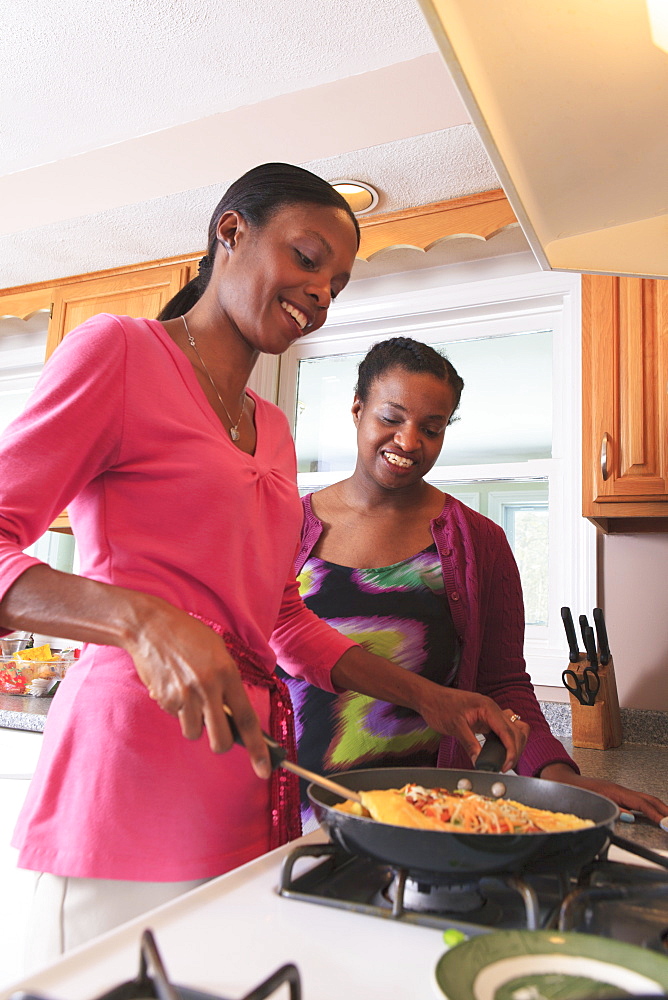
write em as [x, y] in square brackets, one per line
[279, 758]
[276, 752]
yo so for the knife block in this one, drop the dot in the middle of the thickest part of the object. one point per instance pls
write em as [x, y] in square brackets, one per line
[597, 726]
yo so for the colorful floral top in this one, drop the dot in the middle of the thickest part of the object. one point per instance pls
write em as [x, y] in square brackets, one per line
[399, 612]
[483, 594]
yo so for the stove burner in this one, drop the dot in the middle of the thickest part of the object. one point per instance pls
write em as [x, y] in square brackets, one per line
[159, 987]
[464, 898]
[349, 882]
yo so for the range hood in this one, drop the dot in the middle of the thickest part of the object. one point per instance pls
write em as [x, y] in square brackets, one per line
[571, 103]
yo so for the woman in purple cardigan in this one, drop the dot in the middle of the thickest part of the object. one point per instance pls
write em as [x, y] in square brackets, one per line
[417, 577]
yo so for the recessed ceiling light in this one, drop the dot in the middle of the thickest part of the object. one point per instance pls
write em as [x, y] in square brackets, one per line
[361, 197]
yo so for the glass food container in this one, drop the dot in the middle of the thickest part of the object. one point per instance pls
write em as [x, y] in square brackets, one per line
[32, 677]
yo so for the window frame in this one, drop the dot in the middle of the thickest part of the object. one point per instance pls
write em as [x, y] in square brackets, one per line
[427, 305]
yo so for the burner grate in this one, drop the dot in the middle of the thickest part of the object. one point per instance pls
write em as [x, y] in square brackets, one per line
[608, 898]
[620, 901]
[349, 882]
[159, 986]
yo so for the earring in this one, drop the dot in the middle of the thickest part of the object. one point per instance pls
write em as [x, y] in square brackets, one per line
[228, 246]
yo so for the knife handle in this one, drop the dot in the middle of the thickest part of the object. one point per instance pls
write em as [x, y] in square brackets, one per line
[590, 646]
[584, 623]
[602, 634]
[569, 627]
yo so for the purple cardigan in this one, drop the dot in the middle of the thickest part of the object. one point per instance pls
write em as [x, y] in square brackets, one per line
[483, 588]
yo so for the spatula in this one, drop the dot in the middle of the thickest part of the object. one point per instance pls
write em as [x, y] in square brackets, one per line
[279, 758]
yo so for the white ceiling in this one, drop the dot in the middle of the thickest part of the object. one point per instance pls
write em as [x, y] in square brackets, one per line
[121, 123]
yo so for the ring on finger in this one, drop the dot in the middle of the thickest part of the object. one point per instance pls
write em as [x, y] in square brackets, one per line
[515, 718]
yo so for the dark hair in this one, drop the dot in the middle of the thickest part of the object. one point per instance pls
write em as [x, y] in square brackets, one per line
[256, 195]
[412, 356]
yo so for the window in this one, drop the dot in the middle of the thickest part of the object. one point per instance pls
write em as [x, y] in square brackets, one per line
[514, 454]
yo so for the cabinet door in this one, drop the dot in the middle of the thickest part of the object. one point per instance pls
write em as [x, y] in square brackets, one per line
[17, 885]
[132, 293]
[624, 360]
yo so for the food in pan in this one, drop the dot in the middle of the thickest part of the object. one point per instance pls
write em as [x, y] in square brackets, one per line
[460, 811]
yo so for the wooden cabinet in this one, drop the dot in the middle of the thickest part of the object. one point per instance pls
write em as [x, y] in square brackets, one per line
[25, 302]
[128, 293]
[625, 403]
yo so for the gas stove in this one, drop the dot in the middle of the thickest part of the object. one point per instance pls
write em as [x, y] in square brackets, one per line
[621, 900]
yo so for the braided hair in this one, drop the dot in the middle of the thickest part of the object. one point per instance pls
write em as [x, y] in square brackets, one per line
[411, 356]
[256, 195]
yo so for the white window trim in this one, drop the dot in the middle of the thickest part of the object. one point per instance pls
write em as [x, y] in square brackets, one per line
[514, 498]
[425, 306]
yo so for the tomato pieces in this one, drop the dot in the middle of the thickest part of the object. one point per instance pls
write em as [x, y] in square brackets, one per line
[13, 680]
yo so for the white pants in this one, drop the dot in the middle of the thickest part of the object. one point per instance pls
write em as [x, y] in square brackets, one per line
[67, 912]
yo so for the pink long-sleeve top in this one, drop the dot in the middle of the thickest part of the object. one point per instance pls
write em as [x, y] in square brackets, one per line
[484, 593]
[161, 501]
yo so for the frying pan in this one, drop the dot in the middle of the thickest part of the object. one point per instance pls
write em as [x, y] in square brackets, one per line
[438, 855]
[452, 857]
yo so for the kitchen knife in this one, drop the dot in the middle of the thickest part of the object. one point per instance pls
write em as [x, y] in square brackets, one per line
[573, 650]
[602, 634]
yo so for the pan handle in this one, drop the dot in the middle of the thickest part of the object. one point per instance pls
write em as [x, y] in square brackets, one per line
[492, 755]
[642, 852]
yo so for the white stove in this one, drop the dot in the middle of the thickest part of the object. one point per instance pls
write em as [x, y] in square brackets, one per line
[230, 934]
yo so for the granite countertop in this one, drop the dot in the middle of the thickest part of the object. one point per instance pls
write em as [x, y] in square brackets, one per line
[635, 765]
[23, 712]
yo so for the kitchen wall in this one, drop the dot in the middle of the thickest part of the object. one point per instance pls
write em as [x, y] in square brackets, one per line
[633, 590]
[632, 573]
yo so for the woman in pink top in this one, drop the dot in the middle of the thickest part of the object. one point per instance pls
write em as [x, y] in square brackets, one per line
[180, 483]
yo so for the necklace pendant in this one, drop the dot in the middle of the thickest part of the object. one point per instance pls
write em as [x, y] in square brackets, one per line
[234, 434]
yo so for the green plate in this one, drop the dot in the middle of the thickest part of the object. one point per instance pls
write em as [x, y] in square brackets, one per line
[549, 965]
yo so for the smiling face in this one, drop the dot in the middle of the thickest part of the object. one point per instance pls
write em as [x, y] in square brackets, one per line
[400, 427]
[275, 283]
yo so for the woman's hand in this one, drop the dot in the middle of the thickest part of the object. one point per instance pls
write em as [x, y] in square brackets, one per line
[183, 663]
[462, 714]
[625, 798]
[189, 672]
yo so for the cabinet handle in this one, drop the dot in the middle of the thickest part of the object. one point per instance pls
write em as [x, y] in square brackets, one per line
[605, 471]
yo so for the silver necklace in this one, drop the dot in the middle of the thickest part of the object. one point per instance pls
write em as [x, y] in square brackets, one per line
[234, 429]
